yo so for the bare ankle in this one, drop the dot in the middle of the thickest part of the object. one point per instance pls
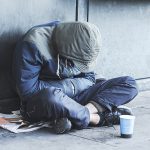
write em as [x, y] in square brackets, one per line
[94, 119]
[92, 109]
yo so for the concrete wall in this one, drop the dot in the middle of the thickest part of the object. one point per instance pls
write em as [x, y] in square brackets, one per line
[16, 17]
[125, 28]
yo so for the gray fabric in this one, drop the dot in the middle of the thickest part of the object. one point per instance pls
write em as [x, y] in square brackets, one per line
[80, 42]
[42, 38]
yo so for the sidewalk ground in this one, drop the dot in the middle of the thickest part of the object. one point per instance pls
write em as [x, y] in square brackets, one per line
[88, 139]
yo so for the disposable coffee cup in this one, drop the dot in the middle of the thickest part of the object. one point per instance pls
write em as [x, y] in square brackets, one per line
[126, 126]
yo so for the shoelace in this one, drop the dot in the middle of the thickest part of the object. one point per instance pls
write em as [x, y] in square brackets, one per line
[108, 120]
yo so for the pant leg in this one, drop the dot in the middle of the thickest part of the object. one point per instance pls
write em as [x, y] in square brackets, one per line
[70, 86]
[51, 103]
[110, 93]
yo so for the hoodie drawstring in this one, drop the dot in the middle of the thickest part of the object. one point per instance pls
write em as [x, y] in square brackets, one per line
[58, 65]
[57, 72]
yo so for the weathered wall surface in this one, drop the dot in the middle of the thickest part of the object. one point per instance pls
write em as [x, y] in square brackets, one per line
[16, 17]
[125, 28]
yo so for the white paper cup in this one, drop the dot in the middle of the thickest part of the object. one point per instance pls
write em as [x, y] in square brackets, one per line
[126, 125]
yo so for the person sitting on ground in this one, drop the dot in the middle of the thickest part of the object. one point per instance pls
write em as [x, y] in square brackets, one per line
[53, 70]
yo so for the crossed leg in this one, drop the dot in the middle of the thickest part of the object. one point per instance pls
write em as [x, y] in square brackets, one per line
[51, 103]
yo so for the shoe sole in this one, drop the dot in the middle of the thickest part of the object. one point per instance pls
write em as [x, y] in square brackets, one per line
[62, 125]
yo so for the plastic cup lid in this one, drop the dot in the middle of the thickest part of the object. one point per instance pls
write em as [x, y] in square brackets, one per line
[127, 117]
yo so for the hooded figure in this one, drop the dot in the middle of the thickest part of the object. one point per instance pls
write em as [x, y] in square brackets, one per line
[53, 69]
[79, 42]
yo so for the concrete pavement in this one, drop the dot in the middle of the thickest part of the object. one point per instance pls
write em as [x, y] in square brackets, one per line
[89, 139]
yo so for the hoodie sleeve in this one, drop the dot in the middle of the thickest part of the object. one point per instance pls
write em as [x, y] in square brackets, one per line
[26, 67]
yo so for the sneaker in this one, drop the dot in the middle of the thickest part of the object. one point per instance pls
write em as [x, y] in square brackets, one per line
[62, 125]
[112, 118]
[124, 110]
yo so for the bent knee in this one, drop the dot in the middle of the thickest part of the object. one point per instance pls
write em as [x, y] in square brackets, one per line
[131, 82]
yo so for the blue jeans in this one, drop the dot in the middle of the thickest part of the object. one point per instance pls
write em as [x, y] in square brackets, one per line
[54, 102]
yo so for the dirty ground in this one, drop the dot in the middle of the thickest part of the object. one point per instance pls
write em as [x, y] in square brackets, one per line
[88, 139]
